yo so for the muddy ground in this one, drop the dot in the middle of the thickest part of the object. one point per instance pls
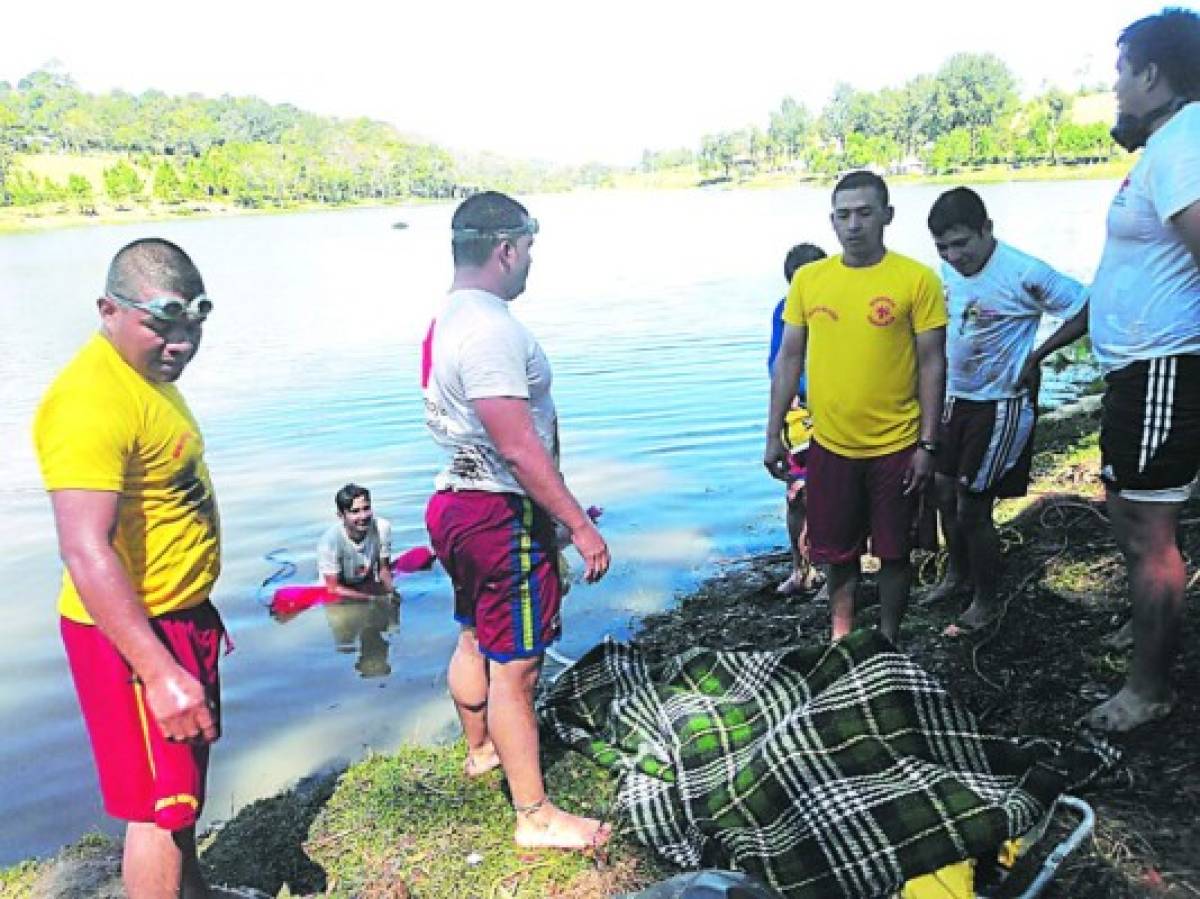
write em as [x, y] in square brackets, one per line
[1036, 672]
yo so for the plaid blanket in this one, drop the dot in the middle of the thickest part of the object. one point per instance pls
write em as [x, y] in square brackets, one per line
[843, 770]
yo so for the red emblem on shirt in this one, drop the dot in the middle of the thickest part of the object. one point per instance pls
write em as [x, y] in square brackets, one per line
[881, 311]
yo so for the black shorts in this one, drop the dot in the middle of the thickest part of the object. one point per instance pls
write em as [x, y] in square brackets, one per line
[1150, 429]
[987, 445]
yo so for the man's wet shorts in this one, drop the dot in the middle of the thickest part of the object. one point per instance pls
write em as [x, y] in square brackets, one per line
[987, 445]
[1150, 429]
[849, 499]
[143, 776]
[502, 557]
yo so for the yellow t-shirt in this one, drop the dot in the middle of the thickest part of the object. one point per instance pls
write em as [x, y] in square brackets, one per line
[102, 426]
[862, 360]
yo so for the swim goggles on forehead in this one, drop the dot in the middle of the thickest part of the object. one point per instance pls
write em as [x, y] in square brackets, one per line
[169, 309]
[529, 227]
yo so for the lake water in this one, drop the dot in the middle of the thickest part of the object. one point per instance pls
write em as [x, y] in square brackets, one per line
[654, 309]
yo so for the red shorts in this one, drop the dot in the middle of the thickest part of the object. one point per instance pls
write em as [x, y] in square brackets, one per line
[502, 557]
[849, 499]
[143, 776]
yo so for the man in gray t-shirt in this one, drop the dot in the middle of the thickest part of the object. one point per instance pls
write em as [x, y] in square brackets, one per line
[492, 519]
[354, 556]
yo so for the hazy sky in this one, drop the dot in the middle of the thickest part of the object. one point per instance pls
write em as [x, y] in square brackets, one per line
[553, 79]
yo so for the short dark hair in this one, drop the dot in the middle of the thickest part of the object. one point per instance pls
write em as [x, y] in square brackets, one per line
[800, 254]
[1170, 40]
[149, 264]
[959, 206]
[487, 211]
[345, 497]
[863, 178]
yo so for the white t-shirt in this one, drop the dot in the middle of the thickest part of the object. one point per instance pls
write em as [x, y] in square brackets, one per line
[1146, 296]
[353, 562]
[994, 318]
[479, 351]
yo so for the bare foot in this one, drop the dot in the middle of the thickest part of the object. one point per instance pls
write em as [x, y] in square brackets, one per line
[1120, 639]
[793, 585]
[480, 761]
[977, 615]
[549, 827]
[1127, 711]
[949, 587]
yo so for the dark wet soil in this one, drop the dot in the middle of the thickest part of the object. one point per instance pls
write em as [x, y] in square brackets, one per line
[1035, 672]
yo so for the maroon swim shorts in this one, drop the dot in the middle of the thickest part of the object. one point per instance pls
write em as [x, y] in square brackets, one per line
[143, 776]
[849, 499]
[502, 557]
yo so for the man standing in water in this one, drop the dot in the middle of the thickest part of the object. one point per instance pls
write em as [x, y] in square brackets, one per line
[1145, 325]
[996, 296]
[869, 327]
[123, 461]
[488, 403]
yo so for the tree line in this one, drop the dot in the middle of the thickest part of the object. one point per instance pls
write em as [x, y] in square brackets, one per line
[968, 113]
[238, 150]
[247, 152]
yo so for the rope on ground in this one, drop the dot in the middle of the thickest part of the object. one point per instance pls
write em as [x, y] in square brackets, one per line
[1059, 507]
[996, 622]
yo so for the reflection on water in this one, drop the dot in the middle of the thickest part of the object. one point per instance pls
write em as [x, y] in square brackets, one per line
[359, 626]
[308, 378]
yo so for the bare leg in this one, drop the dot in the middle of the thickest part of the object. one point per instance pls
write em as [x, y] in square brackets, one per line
[159, 864]
[514, 729]
[803, 572]
[842, 583]
[1145, 533]
[895, 578]
[978, 530]
[957, 566]
[468, 682]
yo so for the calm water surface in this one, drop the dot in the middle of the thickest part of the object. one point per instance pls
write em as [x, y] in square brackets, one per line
[654, 311]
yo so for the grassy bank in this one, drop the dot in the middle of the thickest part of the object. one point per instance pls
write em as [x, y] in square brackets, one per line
[408, 824]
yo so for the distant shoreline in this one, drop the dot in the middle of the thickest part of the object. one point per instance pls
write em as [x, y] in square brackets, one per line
[50, 217]
[21, 220]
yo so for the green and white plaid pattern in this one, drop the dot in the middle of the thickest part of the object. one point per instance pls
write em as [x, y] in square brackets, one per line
[843, 770]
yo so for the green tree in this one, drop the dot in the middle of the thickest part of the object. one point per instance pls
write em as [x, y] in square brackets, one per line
[916, 114]
[79, 189]
[835, 122]
[791, 127]
[1043, 120]
[166, 183]
[973, 91]
[122, 182]
[951, 150]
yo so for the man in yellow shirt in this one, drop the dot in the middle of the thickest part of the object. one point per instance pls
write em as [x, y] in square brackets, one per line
[868, 326]
[123, 461]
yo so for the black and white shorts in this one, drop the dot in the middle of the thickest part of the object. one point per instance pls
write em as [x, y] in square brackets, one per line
[1150, 429]
[987, 445]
